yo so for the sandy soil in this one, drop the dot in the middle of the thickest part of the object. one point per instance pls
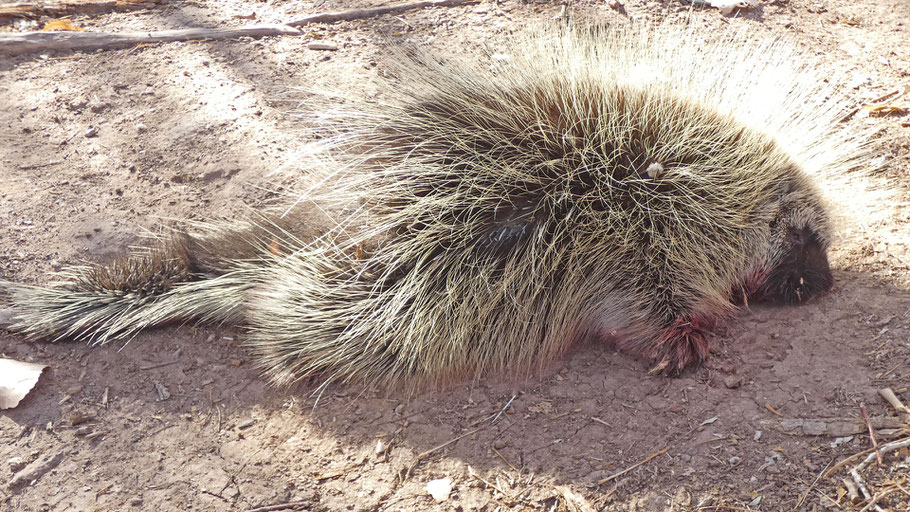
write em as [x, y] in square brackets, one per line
[189, 130]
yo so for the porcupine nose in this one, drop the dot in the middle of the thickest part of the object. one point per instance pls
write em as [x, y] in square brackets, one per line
[802, 273]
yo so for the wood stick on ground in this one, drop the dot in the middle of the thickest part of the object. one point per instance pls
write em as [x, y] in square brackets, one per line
[885, 448]
[878, 454]
[811, 486]
[873, 503]
[36, 469]
[852, 491]
[860, 484]
[501, 456]
[356, 14]
[40, 8]
[488, 484]
[28, 42]
[513, 497]
[894, 401]
[281, 506]
[855, 472]
[847, 461]
[447, 443]
[633, 466]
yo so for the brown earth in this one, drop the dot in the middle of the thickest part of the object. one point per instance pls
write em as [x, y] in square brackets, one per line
[189, 130]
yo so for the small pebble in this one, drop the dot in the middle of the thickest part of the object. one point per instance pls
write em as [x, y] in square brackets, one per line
[15, 464]
[733, 381]
[162, 392]
[316, 45]
[440, 489]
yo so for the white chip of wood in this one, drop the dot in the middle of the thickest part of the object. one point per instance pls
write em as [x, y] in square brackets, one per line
[16, 380]
[440, 489]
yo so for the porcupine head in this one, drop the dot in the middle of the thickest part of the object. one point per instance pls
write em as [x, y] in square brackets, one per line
[786, 264]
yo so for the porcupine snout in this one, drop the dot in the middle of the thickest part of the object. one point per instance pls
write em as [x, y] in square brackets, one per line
[802, 272]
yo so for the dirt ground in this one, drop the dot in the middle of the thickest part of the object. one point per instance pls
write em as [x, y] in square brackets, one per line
[97, 146]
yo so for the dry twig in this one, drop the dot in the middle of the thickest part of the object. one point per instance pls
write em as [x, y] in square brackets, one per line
[878, 454]
[811, 486]
[26, 42]
[894, 401]
[356, 14]
[71, 7]
[447, 443]
[633, 466]
[281, 506]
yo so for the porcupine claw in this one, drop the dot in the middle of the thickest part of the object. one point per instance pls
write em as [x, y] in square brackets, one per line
[685, 342]
[660, 368]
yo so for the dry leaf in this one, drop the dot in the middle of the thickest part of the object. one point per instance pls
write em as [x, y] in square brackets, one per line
[888, 108]
[889, 104]
[61, 25]
[16, 380]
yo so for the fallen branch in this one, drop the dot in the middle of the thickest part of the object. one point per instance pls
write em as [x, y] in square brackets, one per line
[356, 14]
[896, 445]
[878, 453]
[633, 466]
[281, 506]
[71, 7]
[36, 469]
[26, 42]
[894, 401]
[829, 426]
[447, 443]
[858, 481]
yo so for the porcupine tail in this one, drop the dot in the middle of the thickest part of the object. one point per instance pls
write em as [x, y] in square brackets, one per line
[198, 273]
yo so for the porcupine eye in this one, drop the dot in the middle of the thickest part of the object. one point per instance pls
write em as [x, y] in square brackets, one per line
[802, 272]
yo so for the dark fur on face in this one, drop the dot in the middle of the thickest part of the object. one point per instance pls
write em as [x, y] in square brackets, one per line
[801, 273]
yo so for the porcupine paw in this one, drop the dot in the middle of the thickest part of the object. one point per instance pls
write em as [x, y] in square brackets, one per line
[685, 342]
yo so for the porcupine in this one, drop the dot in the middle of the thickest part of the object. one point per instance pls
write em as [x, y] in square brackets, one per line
[599, 184]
